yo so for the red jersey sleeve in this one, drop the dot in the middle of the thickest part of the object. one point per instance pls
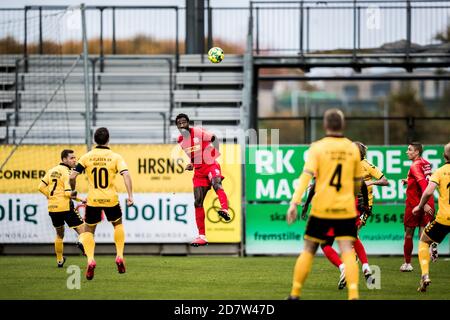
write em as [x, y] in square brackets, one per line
[180, 138]
[417, 173]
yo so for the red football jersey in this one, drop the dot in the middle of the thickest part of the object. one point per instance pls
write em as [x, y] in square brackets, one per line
[419, 173]
[198, 147]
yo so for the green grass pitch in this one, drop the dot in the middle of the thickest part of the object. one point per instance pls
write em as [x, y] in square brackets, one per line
[207, 278]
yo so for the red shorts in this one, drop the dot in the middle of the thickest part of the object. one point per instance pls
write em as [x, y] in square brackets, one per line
[204, 174]
[419, 220]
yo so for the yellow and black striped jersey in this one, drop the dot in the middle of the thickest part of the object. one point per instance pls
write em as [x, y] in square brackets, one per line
[55, 185]
[101, 166]
[335, 163]
[442, 178]
[369, 172]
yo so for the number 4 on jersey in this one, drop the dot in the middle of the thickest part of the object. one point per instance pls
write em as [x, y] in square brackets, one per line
[337, 176]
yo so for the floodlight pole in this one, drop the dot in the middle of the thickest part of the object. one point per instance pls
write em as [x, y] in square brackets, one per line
[88, 136]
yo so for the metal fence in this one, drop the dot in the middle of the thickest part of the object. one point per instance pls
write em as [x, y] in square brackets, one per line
[315, 26]
[111, 29]
[374, 130]
[281, 27]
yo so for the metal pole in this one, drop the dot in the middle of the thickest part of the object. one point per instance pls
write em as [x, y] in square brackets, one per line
[101, 40]
[17, 97]
[210, 41]
[94, 94]
[114, 49]
[257, 30]
[171, 88]
[359, 28]
[177, 48]
[25, 40]
[408, 28]
[41, 48]
[254, 104]
[301, 29]
[86, 80]
[354, 30]
[307, 29]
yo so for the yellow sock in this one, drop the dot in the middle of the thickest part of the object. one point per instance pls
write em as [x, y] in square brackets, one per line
[59, 246]
[424, 257]
[87, 239]
[119, 239]
[301, 271]
[351, 274]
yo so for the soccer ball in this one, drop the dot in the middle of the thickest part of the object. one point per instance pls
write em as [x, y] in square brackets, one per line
[215, 55]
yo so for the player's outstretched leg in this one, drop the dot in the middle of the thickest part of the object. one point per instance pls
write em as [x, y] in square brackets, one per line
[59, 247]
[223, 199]
[424, 259]
[361, 252]
[351, 268]
[301, 271]
[119, 240]
[302, 268]
[333, 257]
[199, 195]
[87, 239]
[200, 240]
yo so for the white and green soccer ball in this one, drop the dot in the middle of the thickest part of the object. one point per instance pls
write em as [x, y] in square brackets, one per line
[215, 55]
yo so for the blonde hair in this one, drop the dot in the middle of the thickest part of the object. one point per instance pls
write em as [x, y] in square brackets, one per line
[447, 151]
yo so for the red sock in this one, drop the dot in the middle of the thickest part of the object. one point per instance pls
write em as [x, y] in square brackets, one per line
[360, 251]
[408, 248]
[200, 219]
[222, 198]
[332, 255]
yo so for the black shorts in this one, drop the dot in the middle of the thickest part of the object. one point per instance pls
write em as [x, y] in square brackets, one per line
[94, 214]
[321, 230]
[72, 218]
[436, 231]
[328, 242]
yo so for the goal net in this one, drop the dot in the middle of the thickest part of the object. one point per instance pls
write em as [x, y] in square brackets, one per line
[43, 112]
